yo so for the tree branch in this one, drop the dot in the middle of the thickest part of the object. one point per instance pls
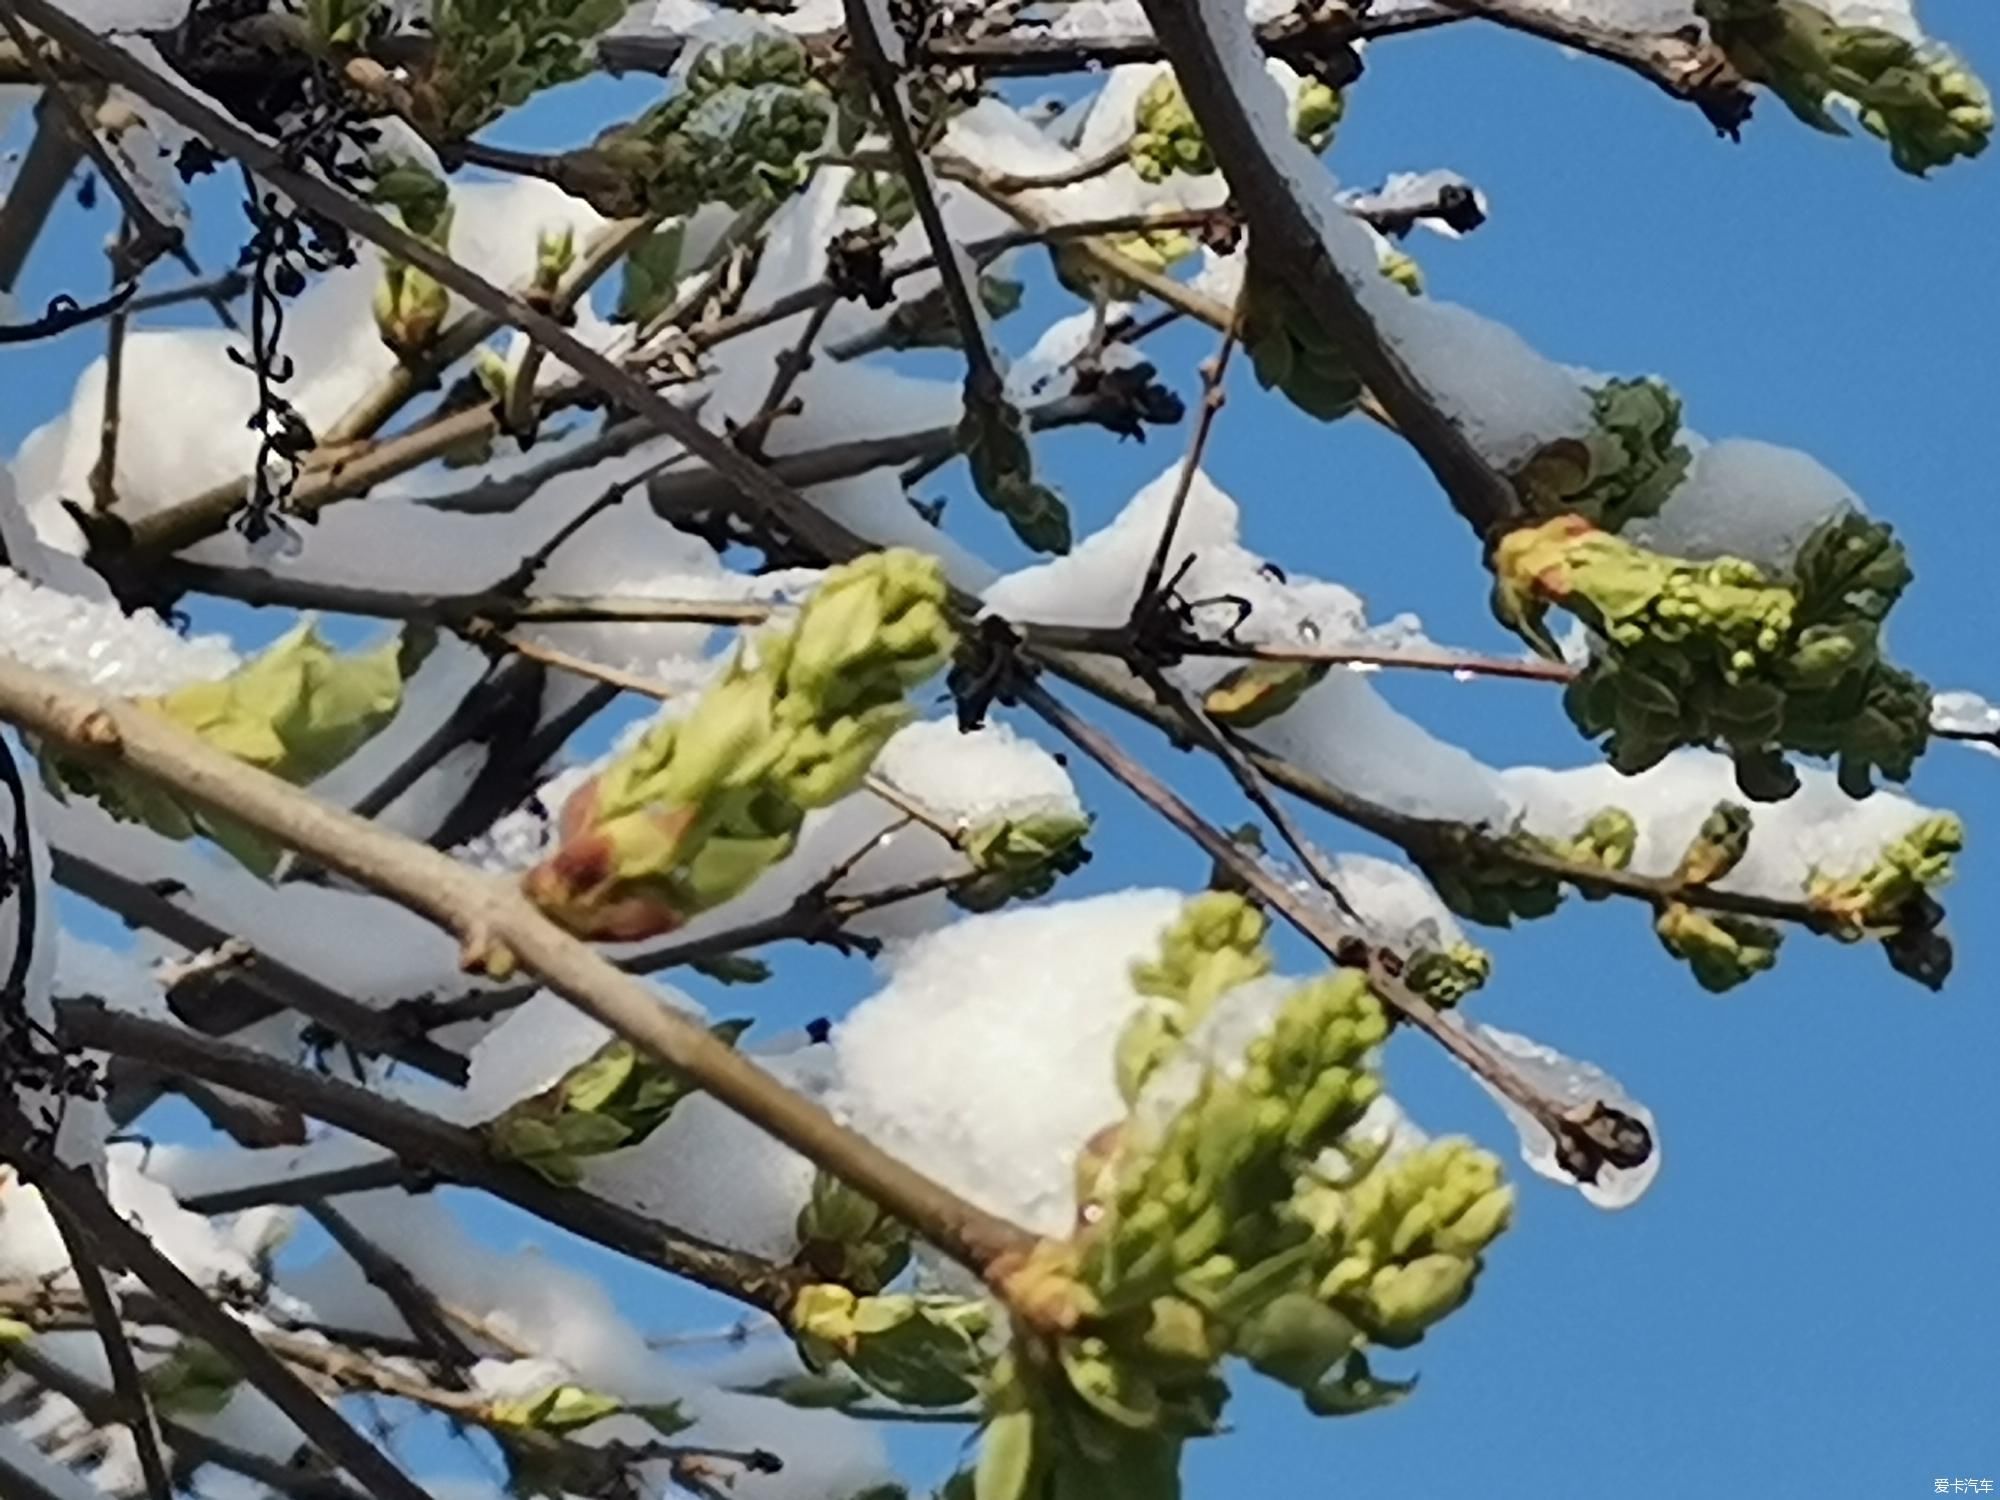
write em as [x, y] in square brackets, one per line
[79, 1197]
[1288, 245]
[135, 1409]
[1686, 64]
[252, 985]
[1587, 1139]
[432, 1146]
[748, 477]
[51, 161]
[149, 238]
[498, 927]
[983, 384]
[101, 1406]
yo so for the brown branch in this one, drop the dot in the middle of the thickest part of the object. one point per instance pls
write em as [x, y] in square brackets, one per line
[499, 928]
[311, 1187]
[983, 383]
[75, 1194]
[1036, 54]
[135, 1409]
[1120, 640]
[1430, 840]
[1288, 246]
[223, 288]
[431, 1146]
[103, 481]
[149, 238]
[1587, 1140]
[257, 587]
[51, 161]
[791, 364]
[751, 479]
[491, 496]
[1213, 373]
[815, 916]
[457, 339]
[691, 493]
[804, 299]
[192, 1447]
[251, 985]
[413, 1302]
[604, 252]
[1685, 64]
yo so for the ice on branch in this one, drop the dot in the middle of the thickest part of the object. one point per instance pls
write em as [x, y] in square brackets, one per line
[1571, 1084]
[1969, 717]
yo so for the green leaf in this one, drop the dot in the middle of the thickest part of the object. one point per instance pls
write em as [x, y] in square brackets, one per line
[996, 449]
[296, 711]
[420, 197]
[665, 1418]
[558, 1409]
[1006, 1457]
[832, 1389]
[652, 275]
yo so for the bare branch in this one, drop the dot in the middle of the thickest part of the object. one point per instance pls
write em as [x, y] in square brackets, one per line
[1686, 64]
[135, 1409]
[432, 1147]
[1587, 1140]
[1288, 246]
[982, 377]
[101, 1406]
[79, 1197]
[149, 238]
[251, 985]
[413, 1303]
[498, 928]
[751, 479]
[46, 169]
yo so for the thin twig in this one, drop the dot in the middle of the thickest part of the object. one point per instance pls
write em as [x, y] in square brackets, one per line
[1213, 374]
[414, 1304]
[252, 985]
[1685, 64]
[1287, 245]
[458, 338]
[804, 520]
[136, 1408]
[1119, 640]
[104, 472]
[75, 1194]
[430, 1146]
[191, 1447]
[791, 364]
[149, 238]
[983, 383]
[499, 929]
[518, 414]
[1580, 1137]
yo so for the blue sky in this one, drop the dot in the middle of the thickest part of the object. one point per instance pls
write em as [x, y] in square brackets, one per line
[1806, 1302]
